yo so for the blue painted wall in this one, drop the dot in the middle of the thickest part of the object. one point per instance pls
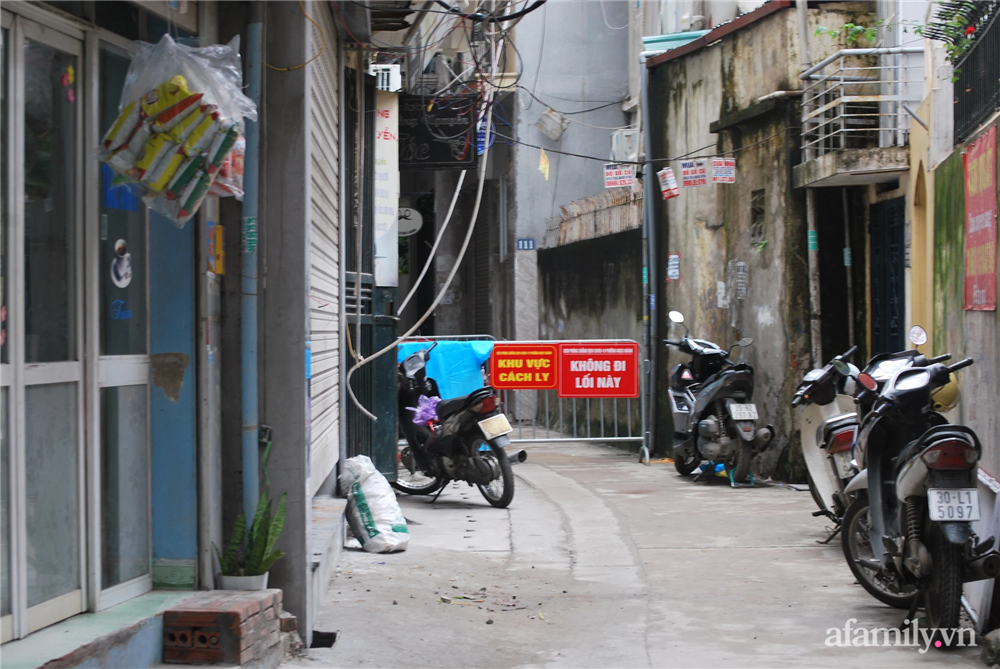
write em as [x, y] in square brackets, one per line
[173, 423]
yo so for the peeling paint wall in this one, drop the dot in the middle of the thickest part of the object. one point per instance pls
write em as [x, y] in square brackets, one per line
[964, 334]
[756, 225]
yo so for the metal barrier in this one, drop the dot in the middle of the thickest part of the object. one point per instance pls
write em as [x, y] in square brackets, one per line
[541, 416]
[591, 419]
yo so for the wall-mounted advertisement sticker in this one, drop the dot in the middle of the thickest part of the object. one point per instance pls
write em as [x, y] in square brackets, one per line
[668, 183]
[618, 175]
[693, 173]
[121, 266]
[721, 299]
[742, 273]
[674, 267]
[723, 170]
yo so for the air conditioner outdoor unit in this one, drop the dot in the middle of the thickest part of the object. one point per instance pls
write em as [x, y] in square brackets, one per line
[625, 146]
[387, 77]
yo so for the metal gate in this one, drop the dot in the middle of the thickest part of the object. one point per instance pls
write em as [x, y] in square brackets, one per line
[541, 416]
[560, 419]
[887, 275]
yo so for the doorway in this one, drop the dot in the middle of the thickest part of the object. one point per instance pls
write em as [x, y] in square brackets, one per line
[888, 271]
[74, 368]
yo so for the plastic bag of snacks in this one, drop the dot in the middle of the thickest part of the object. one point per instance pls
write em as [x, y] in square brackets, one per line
[179, 132]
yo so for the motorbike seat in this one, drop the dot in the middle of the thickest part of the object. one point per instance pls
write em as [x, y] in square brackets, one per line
[446, 408]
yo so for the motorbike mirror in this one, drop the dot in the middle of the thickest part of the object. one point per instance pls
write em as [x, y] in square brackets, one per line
[676, 317]
[842, 367]
[918, 336]
[867, 381]
[746, 341]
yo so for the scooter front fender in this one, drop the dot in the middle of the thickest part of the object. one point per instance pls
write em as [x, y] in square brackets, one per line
[858, 483]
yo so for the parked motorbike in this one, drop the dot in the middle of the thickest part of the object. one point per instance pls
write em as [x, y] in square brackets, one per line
[714, 418]
[828, 423]
[467, 442]
[908, 536]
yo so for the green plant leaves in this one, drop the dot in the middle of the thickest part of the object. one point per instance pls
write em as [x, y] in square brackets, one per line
[230, 564]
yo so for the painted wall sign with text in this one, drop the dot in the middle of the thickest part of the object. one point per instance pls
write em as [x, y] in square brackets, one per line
[693, 173]
[980, 163]
[668, 183]
[599, 369]
[723, 170]
[673, 267]
[524, 366]
[617, 175]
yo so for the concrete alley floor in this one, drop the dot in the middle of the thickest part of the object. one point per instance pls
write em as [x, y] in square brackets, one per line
[602, 562]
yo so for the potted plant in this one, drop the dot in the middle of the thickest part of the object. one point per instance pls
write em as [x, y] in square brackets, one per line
[250, 554]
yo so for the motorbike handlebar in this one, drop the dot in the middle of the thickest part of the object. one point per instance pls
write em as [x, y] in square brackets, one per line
[848, 353]
[797, 401]
[961, 364]
[671, 342]
[939, 358]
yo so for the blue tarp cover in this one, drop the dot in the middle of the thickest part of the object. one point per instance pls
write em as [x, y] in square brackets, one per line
[455, 365]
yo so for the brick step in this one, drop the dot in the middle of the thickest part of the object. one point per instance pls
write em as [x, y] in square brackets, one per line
[235, 627]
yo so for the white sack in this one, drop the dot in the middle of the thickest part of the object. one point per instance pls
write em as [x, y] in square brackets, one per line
[372, 510]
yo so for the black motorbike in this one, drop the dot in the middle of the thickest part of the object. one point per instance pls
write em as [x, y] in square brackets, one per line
[908, 535]
[714, 418]
[467, 440]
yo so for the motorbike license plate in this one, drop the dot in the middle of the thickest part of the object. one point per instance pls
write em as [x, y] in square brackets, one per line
[495, 426]
[743, 411]
[844, 467]
[956, 504]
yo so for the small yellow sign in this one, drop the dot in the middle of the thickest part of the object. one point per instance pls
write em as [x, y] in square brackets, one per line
[543, 164]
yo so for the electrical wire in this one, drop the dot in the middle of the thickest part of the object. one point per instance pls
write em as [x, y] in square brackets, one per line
[604, 13]
[437, 242]
[322, 47]
[458, 260]
[570, 113]
[651, 160]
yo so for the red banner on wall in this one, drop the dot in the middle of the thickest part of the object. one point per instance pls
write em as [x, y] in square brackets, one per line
[980, 163]
[599, 369]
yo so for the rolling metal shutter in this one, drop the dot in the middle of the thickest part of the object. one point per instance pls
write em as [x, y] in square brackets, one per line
[324, 252]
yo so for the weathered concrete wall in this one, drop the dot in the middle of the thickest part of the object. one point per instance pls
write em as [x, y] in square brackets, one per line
[574, 62]
[714, 227]
[592, 289]
[966, 334]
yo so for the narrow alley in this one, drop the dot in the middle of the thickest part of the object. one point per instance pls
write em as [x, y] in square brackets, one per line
[601, 562]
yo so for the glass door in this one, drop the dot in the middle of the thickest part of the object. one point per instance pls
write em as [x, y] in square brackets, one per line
[6, 374]
[121, 523]
[44, 329]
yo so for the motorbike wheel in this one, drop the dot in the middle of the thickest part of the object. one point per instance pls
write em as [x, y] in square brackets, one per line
[856, 542]
[741, 465]
[412, 481]
[943, 596]
[500, 491]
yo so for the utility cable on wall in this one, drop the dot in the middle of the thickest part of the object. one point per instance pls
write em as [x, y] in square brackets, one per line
[461, 254]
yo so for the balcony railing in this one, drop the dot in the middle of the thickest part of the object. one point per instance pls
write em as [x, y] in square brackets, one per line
[977, 89]
[857, 98]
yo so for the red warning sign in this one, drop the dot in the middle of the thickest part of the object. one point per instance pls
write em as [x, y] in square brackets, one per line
[524, 366]
[599, 369]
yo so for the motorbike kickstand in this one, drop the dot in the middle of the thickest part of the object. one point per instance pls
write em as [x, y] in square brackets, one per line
[913, 609]
[833, 534]
[440, 490]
